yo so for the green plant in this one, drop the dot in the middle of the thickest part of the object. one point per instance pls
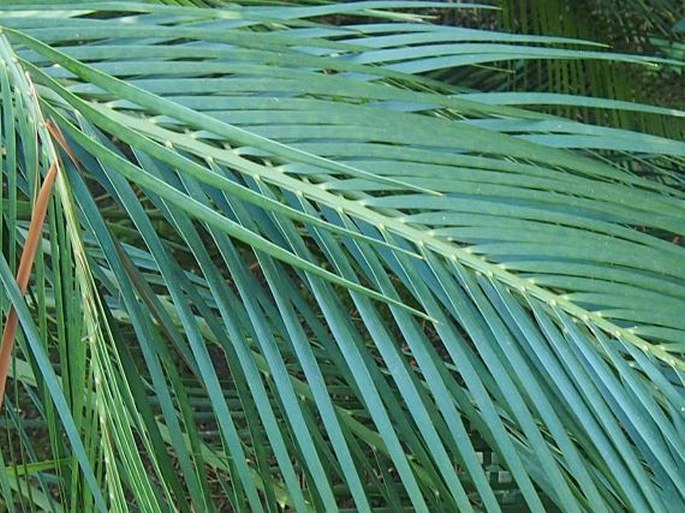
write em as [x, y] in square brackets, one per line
[646, 27]
[286, 267]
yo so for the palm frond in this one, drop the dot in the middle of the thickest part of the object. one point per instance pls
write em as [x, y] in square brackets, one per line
[288, 268]
[644, 26]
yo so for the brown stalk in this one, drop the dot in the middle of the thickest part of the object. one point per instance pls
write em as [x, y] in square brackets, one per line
[28, 256]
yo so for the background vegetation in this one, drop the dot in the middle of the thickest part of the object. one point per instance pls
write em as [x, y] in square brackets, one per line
[363, 256]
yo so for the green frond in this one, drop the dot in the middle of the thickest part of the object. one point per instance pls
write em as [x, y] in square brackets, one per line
[645, 26]
[290, 267]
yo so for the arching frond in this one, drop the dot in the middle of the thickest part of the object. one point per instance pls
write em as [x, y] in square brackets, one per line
[287, 269]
